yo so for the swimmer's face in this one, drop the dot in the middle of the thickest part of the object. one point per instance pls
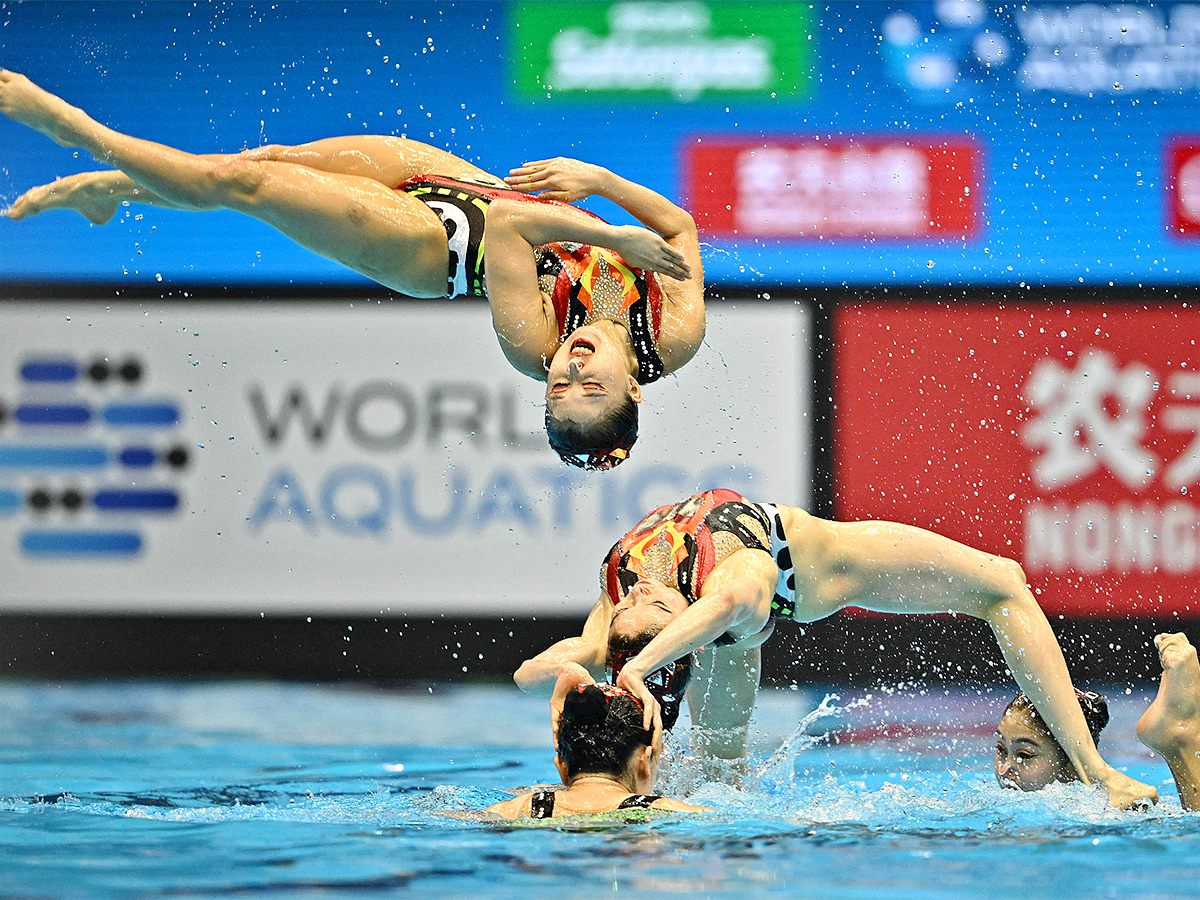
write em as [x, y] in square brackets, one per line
[646, 607]
[1027, 758]
[589, 375]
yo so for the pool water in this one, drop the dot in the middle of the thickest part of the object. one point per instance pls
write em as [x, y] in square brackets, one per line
[207, 789]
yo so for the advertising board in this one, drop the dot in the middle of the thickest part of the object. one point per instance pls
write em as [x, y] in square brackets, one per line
[1065, 437]
[680, 50]
[362, 457]
[808, 188]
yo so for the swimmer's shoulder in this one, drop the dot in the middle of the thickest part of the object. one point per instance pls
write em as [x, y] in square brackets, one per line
[516, 808]
[670, 804]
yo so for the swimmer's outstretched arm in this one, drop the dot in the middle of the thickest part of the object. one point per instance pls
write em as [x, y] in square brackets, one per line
[539, 674]
[570, 180]
[1171, 726]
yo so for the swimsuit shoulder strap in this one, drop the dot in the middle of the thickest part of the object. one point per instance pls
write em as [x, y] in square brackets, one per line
[541, 805]
[639, 801]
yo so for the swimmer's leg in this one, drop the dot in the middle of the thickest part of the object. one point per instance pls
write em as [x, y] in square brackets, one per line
[720, 697]
[357, 221]
[94, 195]
[889, 567]
[1171, 726]
[389, 160]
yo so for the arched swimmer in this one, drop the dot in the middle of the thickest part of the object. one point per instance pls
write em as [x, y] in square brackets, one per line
[715, 571]
[576, 302]
[606, 757]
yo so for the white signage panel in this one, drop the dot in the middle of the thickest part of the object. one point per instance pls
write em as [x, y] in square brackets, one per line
[369, 458]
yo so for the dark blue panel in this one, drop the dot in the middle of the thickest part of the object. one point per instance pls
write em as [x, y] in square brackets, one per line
[53, 414]
[137, 457]
[126, 500]
[10, 502]
[49, 370]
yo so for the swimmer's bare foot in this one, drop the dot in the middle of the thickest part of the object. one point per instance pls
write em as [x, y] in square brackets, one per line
[1171, 726]
[85, 193]
[23, 101]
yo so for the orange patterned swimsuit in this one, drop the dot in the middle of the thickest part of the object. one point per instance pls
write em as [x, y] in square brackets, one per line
[679, 545]
[587, 284]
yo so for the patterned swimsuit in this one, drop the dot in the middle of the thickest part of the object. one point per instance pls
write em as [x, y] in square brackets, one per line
[541, 804]
[679, 545]
[585, 283]
[588, 284]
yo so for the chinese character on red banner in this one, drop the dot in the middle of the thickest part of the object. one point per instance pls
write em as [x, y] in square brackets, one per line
[1066, 438]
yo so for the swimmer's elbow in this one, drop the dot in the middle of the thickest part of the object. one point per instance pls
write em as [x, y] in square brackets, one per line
[522, 677]
[531, 678]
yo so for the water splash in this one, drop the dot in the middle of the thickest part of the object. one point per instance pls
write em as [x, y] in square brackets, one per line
[779, 769]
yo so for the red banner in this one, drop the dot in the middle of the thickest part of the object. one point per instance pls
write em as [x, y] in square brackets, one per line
[1183, 188]
[810, 188]
[1066, 438]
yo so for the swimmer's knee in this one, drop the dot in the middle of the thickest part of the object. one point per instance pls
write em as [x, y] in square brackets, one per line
[1013, 574]
[265, 153]
[236, 179]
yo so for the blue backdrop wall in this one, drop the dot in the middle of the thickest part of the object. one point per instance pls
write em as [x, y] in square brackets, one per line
[1073, 118]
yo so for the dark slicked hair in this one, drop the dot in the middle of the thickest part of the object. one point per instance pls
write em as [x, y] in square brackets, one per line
[600, 730]
[601, 444]
[666, 683]
[1094, 706]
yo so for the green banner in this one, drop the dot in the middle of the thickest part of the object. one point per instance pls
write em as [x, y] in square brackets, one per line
[685, 50]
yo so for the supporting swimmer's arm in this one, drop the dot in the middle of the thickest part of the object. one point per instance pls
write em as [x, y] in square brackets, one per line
[539, 674]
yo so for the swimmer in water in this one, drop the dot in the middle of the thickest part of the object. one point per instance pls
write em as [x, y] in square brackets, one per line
[1028, 758]
[716, 571]
[592, 309]
[1171, 726]
[606, 757]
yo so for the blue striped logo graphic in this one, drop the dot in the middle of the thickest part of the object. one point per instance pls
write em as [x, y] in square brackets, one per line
[62, 445]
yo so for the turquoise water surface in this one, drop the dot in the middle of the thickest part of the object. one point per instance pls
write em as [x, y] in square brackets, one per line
[208, 789]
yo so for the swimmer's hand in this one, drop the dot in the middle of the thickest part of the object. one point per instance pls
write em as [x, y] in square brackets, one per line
[571, 677]
[560, 178]
[646, 249]
[632, 679]
[1128, 793]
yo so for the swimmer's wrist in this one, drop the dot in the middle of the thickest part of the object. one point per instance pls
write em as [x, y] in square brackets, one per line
[606, 184]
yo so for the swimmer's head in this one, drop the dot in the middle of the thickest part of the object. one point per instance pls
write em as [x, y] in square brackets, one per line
[644, 607]
[601, 733]
[1027, 756]
[592, 397]
[666, 684]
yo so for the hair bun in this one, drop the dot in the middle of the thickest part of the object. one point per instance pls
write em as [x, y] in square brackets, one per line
[586, 705]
